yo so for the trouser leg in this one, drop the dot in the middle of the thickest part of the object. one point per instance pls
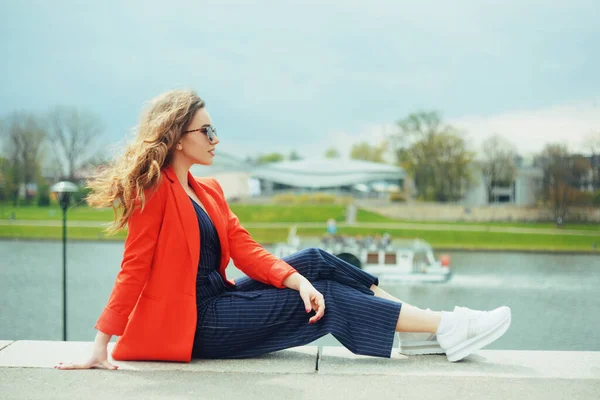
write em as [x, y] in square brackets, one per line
[250, 323]
[316, 264]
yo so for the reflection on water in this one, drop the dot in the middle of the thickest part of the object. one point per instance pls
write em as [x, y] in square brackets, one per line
[554, 298]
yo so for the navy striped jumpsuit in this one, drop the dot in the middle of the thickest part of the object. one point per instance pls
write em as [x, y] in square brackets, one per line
[254, 318]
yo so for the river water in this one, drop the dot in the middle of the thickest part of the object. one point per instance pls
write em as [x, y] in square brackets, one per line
[554, 298]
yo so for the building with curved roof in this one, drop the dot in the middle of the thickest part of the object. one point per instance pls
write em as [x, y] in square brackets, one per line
[327, 173]
[235, 174]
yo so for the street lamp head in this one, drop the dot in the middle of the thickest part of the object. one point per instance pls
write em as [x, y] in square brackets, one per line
[63, 190]
[64, 186]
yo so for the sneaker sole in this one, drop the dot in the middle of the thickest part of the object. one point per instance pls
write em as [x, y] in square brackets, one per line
[417, 348]
[472, 345]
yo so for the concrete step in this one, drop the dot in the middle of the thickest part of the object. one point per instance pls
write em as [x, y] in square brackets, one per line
[46, 354]
[484, 363]
[330, 361]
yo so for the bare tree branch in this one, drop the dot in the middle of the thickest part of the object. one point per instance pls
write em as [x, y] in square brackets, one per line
[499, 163]
[72, 132]
[564, 174]
[24, 137]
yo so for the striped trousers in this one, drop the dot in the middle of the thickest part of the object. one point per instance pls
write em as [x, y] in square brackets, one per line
[254, 318]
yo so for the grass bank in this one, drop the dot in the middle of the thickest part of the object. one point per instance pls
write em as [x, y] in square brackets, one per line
[438, 239]
[248, 214]
[245, 212]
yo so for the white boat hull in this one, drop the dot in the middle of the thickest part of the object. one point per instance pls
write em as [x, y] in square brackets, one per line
[388, 274]
[392, 265]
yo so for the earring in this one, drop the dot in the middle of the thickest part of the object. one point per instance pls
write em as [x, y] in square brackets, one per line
[179, 147]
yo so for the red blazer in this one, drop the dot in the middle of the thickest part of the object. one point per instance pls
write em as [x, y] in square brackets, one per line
[152, 306]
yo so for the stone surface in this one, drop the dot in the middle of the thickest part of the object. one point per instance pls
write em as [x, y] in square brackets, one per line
[4, 343]
[489, 363]
[43, 384]
[25, 372]
[46, 354]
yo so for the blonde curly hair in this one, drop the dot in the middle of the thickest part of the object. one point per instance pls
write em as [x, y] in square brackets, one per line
[123, 185]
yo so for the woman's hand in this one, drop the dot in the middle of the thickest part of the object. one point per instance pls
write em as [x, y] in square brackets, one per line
[313, 300]
[99, 358]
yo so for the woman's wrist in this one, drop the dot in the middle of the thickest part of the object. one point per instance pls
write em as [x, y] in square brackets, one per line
[102, 339]
[294, 281]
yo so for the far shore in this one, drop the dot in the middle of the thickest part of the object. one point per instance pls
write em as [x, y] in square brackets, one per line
[270, 224]
[437, 249]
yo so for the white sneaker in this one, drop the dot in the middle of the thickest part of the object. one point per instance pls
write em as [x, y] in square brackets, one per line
[418, 343]
[473, 330]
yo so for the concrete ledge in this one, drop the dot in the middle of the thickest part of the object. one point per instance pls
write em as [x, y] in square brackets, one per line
[4, 343]
[331, 361]
[484, 363]
[26, 372]
[46, 354]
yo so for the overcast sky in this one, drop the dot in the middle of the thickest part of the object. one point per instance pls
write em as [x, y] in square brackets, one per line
[308, 75]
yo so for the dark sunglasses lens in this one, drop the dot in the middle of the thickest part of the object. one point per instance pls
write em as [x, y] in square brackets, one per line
[211, 133]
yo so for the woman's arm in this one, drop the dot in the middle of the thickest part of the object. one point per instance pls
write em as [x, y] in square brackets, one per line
[259, 264]
[250, 257]
[144, 226]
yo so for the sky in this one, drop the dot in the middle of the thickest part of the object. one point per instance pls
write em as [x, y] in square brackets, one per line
[280, 76]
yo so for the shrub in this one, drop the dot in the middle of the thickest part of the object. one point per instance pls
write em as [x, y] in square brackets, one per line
[322, 198]
[80, 195]
[311, 198]
[43, 196]
[283, 199]
[580, 198]
[397, 197]
[596, 199]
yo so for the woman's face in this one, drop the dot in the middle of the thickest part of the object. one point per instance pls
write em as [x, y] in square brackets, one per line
[196, 146]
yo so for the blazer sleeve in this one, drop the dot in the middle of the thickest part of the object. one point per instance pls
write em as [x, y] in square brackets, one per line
[250, 257]
[144, 226]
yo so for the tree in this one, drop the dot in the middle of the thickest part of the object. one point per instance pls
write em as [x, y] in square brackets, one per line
[24, 138]
[72, 132]
[592, 142]
[434, 154]
[563, 174]
[97, 160]
[6, 174]
[364, 151]
[294, 156]
[498, 163]
[270, 158]
[332, 153]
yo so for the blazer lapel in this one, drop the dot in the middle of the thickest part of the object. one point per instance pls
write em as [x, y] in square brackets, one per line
[215, 214]
[187, 214]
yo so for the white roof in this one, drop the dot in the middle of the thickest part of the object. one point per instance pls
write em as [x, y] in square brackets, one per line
[316, 173]
[323, 173]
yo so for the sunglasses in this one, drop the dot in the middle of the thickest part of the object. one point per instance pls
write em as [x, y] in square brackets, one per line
[208, 130]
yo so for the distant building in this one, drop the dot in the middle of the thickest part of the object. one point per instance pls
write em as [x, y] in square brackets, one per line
[354, 176]
[591, 181]
[523, 191]
[241, 179]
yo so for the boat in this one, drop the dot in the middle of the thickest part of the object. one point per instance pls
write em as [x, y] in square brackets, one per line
[391, 260]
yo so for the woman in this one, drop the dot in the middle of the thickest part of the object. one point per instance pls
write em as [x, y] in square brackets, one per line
[172, 300]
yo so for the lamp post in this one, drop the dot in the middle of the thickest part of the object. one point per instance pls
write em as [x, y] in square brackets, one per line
[63, 191]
